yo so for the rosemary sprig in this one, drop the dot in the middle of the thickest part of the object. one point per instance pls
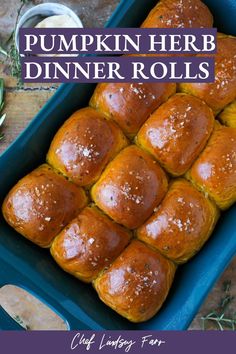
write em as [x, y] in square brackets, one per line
[10, 50]
[218, 316]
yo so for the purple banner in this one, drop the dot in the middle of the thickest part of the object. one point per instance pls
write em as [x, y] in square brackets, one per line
[118, 69]
[117, 40]
[146, 342]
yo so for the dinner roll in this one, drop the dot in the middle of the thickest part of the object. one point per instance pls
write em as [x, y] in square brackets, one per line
[223, 90]
[181, 224]
[179, 14]
[137, 283]
[130, 187]
[41, 204]
[129, 105]
[84, 145]
[215, 170]
[89, 244]
[177, 132]
[228, 115]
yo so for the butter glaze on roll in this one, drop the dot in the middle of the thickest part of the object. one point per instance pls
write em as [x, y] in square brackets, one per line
[129, 105]
[214, 171]
[181, 224]
[130, 187]
[41, 204]
[179, 14]
[137, 283]
[177, 132]
[223, 91]
[89, 244]
[84, 145]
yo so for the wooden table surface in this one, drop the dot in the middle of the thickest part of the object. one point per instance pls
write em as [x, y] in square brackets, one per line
[21, 106]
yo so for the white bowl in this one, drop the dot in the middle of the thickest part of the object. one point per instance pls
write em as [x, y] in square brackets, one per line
[44, 10]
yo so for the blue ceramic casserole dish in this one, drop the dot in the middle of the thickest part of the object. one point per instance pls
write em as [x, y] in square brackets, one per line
[26, 265]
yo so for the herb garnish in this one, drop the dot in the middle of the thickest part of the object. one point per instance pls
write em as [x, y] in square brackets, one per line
[218, 316]
[10, 51]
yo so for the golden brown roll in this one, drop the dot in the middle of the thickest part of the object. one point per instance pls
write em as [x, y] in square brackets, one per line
[214, 171]
[179, 14]
[228, 115]
[181, 224]
[223, 91]
[177, 132]
[130, 187]
[84, 145]
[129, 105]
[41, 204]
[137, 283]
[89, 244]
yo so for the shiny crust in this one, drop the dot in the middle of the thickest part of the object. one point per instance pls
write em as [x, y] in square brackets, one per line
[130, 187]
[78, 149]
[223, 91]
[137, 283]
[177, 132]
[215, 170]
[89, 244]
[179, 14]
[182, 223]
[41, 204]
[228, 115]
[129, 105]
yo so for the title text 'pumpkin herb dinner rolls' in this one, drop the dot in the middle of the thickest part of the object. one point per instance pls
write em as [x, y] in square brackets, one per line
[41, 204]
[137, 283]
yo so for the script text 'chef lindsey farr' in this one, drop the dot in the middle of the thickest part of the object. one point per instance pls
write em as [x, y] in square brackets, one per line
[91, 341]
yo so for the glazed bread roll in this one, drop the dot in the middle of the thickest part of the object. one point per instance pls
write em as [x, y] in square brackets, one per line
[130, 187]
[214, 171]
[228, 115]
[41, 204]
[223, 91]
[137, 283]
[177, 132]
[78, 150]
[129, 105]
[89, 244]
[181, 224]
[179, 14]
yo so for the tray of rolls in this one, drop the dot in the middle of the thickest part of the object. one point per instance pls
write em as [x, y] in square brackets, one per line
[117, 200]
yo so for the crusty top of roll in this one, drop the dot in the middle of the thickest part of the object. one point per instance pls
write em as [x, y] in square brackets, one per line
[137, 283]
[179, 14]
[223, 90]
[215, 170]
[89, 244]
[41, 204]
[83, 146]
[129, 105]
[130, 187]
[177, 132]
[182, 223]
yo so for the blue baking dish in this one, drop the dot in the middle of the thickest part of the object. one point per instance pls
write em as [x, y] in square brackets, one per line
[26, 265]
